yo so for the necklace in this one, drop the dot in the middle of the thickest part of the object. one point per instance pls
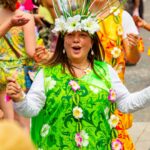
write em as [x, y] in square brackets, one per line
[84, 70]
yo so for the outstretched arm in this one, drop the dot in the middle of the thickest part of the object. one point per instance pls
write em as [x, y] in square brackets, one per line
[126, 101]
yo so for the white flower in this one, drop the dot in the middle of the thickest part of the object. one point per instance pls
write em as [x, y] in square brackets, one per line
[95, 90]
[77, 112]
[40, 148]
[45, 130]
[115, 11]
[85, 138]
[50, 83]
[73, 24]
[116, 52]
[113, 121]
[60, 25]
[90, 25]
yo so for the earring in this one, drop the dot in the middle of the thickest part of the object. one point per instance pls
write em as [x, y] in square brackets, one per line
[64, 51]
[92, 52]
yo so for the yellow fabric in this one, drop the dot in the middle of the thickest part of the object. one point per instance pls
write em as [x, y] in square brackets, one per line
[43, 11]
[9, 63]
[109, 35]
[13, 137]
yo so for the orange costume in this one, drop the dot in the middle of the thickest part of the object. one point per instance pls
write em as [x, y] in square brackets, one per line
[111, 38]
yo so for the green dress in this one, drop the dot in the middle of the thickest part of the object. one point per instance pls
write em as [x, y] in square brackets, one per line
[76, 113]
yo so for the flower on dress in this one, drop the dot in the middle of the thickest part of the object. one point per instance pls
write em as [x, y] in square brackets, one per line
[74, 85]
[45, 130]
[112, 95]
[77, 112]
[115, 11]
[116, 145]
[119, 31]
[81, 139]
[116, 52]
[113, 121]
[50, 83]
[94, 89]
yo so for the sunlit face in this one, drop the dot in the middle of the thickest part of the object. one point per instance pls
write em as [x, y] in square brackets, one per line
[77, 45]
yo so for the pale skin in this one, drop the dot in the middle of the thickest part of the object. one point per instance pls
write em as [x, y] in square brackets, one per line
[77, 46]
[28, 27]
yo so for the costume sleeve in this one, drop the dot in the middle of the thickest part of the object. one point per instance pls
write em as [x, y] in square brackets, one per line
[34, 101]
[126, 101]
[128, 24]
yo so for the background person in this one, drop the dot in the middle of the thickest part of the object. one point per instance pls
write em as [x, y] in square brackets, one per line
[17, 48]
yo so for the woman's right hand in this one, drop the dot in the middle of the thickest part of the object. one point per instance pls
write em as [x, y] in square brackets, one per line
[13, 90]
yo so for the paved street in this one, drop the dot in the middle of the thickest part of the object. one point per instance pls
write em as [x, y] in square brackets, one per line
[138, 77]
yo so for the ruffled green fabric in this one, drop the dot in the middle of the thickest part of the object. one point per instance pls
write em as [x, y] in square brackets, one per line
[54, 128]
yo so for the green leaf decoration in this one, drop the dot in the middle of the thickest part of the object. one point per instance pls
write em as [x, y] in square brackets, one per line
[114, 133]
[118, 42]
[79, 126]
[114, 62]
[117, 19]
[68, 119]
[113, 107]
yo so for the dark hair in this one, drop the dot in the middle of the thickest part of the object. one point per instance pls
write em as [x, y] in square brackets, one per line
[60, 58]
[10, 4]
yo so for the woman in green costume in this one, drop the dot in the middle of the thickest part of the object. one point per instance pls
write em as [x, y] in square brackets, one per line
[73, 98]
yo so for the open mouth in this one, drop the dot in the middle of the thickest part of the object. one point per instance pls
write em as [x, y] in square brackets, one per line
[76, 48]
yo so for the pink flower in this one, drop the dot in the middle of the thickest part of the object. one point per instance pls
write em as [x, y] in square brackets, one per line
[116, 145]
[112, 95]
[74, 85]
[78, 139]
[82, 139]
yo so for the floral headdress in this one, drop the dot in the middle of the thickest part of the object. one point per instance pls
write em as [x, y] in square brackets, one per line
[81, 15]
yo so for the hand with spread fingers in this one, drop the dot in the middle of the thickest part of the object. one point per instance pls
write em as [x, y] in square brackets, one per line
[42, 55]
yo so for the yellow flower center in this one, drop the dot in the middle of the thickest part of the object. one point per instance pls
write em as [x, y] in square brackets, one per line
[77, 113]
